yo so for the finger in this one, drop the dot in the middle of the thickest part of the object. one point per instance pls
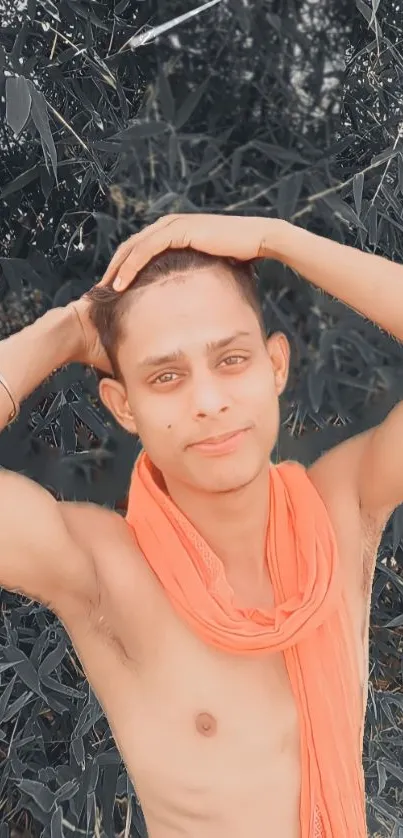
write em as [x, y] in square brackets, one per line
[117, 259]
[125, 248]
[171, 236]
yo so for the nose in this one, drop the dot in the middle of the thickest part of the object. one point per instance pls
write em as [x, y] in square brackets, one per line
[209, 397]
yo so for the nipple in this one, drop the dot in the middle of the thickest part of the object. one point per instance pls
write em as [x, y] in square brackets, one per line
[206, 724]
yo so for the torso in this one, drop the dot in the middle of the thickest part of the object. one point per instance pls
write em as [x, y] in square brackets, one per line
[210, 740]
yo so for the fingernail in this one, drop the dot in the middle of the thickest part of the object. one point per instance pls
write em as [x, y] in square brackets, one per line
[117, 283]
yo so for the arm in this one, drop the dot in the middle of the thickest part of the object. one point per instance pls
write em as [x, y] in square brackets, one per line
[38, 555]
[372, 286]
[369, 284]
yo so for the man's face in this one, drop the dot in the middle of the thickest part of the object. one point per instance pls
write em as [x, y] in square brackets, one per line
[196, 366]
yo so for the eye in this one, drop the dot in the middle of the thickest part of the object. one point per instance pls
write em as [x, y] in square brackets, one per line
[232, 360]
[172, 377]
[165, 378]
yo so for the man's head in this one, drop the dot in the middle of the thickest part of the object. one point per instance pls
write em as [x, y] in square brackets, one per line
[191, 360]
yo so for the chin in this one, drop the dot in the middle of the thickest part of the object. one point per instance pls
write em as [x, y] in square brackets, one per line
[220, 476]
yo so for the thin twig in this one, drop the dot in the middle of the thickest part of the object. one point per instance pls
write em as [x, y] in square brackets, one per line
[339, 186]
[66, 124]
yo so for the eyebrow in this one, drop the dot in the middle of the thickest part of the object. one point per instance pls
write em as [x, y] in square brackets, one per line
[178, 354]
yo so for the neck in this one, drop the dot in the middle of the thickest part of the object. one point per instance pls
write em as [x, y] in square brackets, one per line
[234, 524]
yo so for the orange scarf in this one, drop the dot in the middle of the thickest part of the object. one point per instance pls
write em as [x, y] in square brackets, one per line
[309, 624]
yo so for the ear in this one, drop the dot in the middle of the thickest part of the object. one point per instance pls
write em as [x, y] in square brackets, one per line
[278, 348]
[113, 395]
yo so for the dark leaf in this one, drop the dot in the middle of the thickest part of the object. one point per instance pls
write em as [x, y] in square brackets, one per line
[67, 791]
[162, 204]
[384, 155]
[47, 182]
[106, 234]
[24, 668]
[236, 164]
[56, 824]
[200, 176]
[358, 185]
[278, 153]
[16, 706]
[391, 199]
[141, 131]
[288, 194]
[51, 8]
[375, 4]
[342, 209]
[166, 98]
[39, 793]
[18, 270]
[31, 9]
[316, 387]
[368, 15]
[21, 181]
[77, 750]
[40, 116]
[242, 15]
[110, 779]
[185, 111]
[68, 435]
[275, 21]
[173, 153]
[120, 7]
[19, 44]
[372, 222]
[88, 415]
[53, 659]
[18, 103]
[5, 698]
[382, 777]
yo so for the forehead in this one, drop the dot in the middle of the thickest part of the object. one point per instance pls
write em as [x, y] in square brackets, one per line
[186, 310]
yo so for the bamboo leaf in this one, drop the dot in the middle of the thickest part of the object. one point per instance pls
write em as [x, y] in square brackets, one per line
[18, 103]
[189, 105]
[358, 184]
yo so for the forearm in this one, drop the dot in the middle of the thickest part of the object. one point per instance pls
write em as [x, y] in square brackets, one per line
[28, 357]
[369, 284]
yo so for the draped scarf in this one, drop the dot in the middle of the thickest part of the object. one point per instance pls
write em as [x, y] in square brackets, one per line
[309, 624]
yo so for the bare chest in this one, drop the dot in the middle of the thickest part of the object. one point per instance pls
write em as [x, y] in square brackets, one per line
[210, 740]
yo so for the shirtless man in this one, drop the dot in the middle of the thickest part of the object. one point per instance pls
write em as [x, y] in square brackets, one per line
[210, 739]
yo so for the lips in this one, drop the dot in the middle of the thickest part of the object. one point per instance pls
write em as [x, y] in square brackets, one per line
[215, 440]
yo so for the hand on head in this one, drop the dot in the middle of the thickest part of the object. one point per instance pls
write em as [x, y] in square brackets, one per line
[237, 237]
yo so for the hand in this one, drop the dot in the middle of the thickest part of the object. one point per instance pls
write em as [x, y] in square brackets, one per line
[90, 350]
[239, 237]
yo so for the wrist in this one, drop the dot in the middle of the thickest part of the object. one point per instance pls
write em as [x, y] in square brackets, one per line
[77, 342]
[60, 326]
[277, 235]
[29, 356]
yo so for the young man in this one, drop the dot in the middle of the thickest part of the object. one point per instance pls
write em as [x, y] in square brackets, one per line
[223, 623]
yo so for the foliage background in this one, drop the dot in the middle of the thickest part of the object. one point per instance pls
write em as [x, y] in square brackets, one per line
[283, 108]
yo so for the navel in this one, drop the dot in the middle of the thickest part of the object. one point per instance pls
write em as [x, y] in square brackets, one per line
[206, 724]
